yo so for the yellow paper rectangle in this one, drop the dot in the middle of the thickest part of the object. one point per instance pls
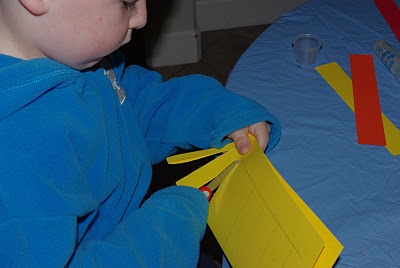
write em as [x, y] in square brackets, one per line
[260, 221]
[234, 201]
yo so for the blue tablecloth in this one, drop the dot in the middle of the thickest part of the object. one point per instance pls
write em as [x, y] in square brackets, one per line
[354, 189]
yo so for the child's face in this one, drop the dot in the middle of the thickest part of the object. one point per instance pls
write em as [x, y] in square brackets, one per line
[81, 32]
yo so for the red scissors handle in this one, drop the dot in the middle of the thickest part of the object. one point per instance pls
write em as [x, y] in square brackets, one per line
[207, 192]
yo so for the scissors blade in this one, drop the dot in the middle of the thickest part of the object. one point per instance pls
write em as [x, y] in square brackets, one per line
[218, 180]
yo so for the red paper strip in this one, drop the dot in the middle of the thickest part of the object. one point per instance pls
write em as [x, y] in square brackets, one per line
[367, 107]
[391, 13]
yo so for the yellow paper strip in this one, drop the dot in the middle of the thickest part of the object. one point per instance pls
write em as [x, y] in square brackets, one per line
[209, 171]
[191, 156]
[341, 83]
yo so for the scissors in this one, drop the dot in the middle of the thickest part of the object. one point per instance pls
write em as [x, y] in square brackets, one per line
[210, 187]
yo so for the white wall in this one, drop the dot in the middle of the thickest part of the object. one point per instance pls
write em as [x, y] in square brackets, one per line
[173, 36]
[223, 14]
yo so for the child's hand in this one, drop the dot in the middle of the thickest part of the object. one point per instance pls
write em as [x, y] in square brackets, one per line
[259, 130]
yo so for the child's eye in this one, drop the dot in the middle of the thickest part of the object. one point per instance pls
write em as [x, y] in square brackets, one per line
[129, 3]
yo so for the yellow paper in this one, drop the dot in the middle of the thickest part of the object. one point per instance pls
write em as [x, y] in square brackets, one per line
[212, 169]
[342, 84]
[327, 256]
[259, 220]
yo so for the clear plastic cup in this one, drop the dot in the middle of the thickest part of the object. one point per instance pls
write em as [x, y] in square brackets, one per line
[306, 48]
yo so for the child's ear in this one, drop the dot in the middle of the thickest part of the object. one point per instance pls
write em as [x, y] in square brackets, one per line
[35, 7]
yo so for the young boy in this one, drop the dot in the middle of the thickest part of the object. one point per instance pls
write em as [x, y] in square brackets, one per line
[79, 133]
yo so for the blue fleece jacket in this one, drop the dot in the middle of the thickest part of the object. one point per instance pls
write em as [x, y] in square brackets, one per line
[75, 163]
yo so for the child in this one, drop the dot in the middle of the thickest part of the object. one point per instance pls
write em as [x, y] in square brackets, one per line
[79, 133]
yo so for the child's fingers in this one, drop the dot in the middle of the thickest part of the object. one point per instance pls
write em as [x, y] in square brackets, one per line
[241, 140]
[261, 132]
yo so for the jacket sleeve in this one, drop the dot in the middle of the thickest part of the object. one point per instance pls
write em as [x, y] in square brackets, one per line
[150, 236]
[190, 111]
[47, 201]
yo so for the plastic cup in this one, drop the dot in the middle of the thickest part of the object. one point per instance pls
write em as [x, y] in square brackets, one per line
[306, 48]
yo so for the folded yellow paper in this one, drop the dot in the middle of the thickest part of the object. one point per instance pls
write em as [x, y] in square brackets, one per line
[258, 220]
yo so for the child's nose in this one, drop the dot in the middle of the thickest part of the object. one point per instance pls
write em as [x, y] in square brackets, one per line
[139, 15]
